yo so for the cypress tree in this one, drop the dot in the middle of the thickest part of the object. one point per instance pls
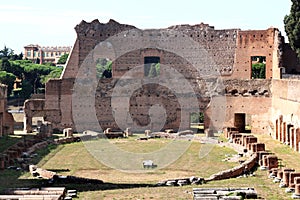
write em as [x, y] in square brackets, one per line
[292, 26]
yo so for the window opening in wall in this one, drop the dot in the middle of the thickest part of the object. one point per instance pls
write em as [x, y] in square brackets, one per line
[103, 68]
[197, 121]
[258, 67]
[151, 66]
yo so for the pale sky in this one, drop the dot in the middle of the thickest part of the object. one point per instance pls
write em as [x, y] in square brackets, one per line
[51, 23]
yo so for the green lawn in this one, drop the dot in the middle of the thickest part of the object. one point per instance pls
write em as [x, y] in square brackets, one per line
[74, 159]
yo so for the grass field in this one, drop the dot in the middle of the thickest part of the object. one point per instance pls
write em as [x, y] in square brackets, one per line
[74, 159]
[8, 140]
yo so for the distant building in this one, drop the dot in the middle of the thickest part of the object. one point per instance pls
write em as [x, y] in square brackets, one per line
[42, 55]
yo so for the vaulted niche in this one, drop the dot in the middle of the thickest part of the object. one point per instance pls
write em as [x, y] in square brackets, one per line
[240, 121]
[151, 66]
[258, 67]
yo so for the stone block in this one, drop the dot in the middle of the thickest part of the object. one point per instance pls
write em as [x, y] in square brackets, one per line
[292, 177]
[68, 132]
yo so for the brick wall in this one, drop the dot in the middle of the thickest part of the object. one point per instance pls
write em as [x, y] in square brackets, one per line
[195, 52]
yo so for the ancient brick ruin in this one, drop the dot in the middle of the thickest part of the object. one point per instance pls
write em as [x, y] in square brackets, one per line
[6, 118]
[269, 105]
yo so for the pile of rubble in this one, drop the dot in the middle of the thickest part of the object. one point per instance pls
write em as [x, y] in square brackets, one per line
[224, 193]
[168, 134]
[44, 193]
[181, 181]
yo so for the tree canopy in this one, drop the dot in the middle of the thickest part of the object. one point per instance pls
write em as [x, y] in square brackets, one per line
[7, 79]
[292, 26]
[259, 70]
[6, 52]
[63, 59]
[33, 76]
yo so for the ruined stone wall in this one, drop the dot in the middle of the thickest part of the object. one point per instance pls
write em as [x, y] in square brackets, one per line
[285, 105]
[6, 118]
[195, 52]
[58, 97]
[254, 43]
[200, 42]
[138, 108]
[88, 36]
[257, 108]
[249, 97]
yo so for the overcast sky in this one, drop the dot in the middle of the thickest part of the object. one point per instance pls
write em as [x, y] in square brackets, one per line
[51, 23]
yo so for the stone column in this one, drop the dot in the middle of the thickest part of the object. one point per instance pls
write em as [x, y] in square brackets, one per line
[286, 179]
[27, 124]
[292, 137]
[272, 161]
[280, 175]
[297, 139]
[276, 129]
[297, 192]
[284, 139]
[280, 128]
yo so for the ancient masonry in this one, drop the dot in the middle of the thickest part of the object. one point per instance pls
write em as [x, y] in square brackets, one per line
[6, 118]
[202, 55]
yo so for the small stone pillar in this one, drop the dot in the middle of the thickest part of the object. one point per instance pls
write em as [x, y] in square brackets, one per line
[232, 133]
[280, 175]
[27, 124]
[49, 129]
[68, 132]
[128, 132]
[147, 133]
[256, 147]
[260, 155]
[250, 140]
[292, 137]
[286, 178]
[297, 180]
[296, 195]
[108, 130]
[293, 175]
[260, 147]
[265, 161]
[272, 161]
[297, 139]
